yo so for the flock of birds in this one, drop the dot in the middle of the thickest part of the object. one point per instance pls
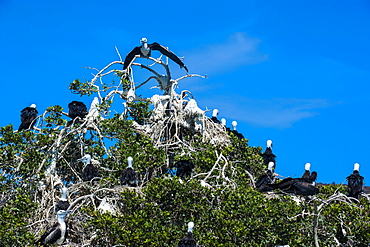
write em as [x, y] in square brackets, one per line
[304, 185]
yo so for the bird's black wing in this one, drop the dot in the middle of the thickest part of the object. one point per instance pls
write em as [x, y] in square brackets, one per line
[61, 205]
[28, 116]
[304, 188]
[89, 172]
[130, 56]
[187, 241]
[306, 174]
[77, 109]
[268, 156]
[355, 185]
[168, 53]
[215, 120]
[51, 235]
[184, 168]
[129, 177]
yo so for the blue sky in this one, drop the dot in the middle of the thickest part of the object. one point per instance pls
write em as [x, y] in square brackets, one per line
[295, 72]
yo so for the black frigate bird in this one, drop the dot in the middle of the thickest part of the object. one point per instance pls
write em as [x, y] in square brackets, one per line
[214, 116]
[57, 233]
[184, 168]
[355, 183]
[265, 179]
[129, 176]
[188, 240]
[145, 50]
[28, 117]
[268, 156]
[235, 132]
[307, 172]
[77, 109]
[297, 186]
[89, 171]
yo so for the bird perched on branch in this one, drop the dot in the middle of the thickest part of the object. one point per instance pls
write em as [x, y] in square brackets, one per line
[28, 117]
[214, 116]
[235, 132]
[188, 240]
[145, 51]
[297, 186]
[77, 109]
[63, 203]
[184, 168]
[89, 171]
[55, 234]
[129, 176]
[267, 178]
[307, 172]
[268, 156]
[355, 182]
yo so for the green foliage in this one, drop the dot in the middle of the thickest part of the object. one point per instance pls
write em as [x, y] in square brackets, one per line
[219, 197]
[14, 217]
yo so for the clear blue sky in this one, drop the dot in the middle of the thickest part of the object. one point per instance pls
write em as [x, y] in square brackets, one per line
[295, 72]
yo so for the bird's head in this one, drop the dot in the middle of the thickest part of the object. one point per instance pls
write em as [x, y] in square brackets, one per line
[223, 121]
[269, 143]
[190, 226]
[129, 161]
[215, 113]
[270, 165]
[85, 159]
[61, 214]
[234, 124]
[356, 167]
[33, 106]
[143, 40]
[313, 176]
[307, 166]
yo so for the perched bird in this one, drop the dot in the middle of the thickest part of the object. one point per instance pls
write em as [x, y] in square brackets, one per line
[184, 168]
[267, 178]
[188, 240]
[307, 172]
[235, 132]
[145, 50]
[214, 116]
[28, 116]
[268, 156]
[89, 171]
[355, 182]
[63, 203]
[297, 186]
[129, 176]
[55, 234]
[77, 109]
[105, 207]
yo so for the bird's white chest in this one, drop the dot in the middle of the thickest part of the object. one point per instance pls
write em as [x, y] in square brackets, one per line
[145, 50]
[63, 233]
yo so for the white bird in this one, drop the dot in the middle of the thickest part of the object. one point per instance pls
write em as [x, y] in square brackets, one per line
[105, 206]
[55, 234]
[192, 109]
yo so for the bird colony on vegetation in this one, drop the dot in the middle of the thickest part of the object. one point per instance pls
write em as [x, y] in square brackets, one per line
[174, 115]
